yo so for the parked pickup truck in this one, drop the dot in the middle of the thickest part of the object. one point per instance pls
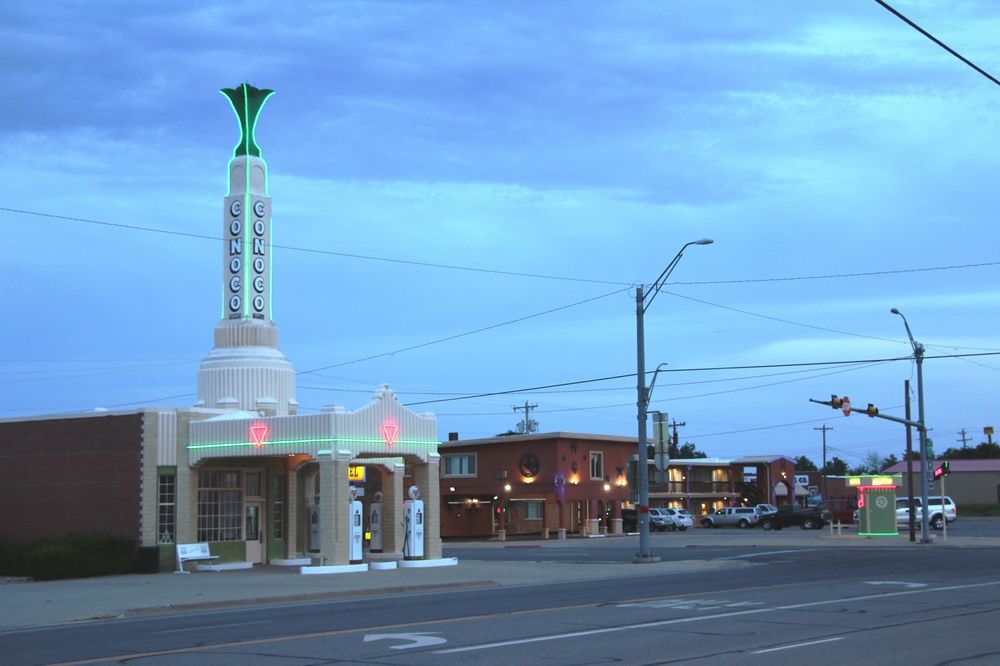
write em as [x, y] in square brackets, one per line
[808, 518]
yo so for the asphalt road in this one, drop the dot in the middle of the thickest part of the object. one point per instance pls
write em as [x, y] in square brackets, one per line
[791, 604]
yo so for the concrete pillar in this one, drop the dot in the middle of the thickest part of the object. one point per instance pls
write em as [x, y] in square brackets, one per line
[427, 477]
[334, 537]
[186, 509]
[292, 509]
[392, 510]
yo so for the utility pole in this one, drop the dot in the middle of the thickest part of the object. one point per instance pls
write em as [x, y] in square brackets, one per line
[964, 438]
[676, 439]
[824, 429]
[528, 425]
[911, 514]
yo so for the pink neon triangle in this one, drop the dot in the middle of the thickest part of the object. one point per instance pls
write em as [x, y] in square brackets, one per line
[389, 431]
[258, 433]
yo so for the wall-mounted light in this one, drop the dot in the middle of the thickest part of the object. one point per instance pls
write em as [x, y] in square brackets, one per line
[506, 487]
[607, 487]
[451, 489]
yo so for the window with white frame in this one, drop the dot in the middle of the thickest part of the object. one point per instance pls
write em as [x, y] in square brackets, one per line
[458, 464]
[597, 465]
[220, 505]
[166, 508]
[533, 509]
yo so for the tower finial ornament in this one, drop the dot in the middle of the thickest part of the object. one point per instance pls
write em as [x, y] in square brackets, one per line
[247, 102]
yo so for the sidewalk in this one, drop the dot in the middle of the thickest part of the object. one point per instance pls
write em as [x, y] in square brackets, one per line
[27, 603]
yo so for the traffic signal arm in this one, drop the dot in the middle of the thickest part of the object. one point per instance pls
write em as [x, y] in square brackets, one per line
[867, 411]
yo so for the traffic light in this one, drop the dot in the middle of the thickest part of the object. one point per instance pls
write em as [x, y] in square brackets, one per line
[943, 470]
[836, 402]
[872, 410]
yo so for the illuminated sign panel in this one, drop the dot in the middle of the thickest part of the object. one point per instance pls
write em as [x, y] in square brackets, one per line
[390, 430]
[258, 433]
[356, 473]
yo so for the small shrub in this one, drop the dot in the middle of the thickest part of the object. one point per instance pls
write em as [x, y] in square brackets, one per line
[73, 556]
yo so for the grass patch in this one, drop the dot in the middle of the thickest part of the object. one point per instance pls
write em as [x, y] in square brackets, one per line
[979, 510]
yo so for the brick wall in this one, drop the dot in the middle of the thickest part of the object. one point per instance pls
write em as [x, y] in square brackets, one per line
[70, 475]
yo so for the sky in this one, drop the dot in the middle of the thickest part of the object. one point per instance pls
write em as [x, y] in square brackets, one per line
[467, 195]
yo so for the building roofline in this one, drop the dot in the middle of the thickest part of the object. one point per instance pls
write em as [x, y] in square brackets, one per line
[534, 437]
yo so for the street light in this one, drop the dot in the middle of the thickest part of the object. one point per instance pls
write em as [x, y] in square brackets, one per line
[642, 301]
[918, 355]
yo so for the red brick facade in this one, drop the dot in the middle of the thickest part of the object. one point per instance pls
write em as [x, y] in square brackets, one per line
[70, 475]
[552, 483]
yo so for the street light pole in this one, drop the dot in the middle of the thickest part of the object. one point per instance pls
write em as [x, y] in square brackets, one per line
[642, 301]
[918, 355]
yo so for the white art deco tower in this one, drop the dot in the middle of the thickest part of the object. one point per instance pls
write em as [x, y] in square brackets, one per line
[245, 369]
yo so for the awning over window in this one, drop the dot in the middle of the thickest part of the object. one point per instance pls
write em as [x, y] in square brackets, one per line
[801, 491]
[780, 490]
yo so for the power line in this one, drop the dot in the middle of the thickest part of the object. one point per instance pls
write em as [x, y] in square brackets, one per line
[462, 335]
[348, 255]
[475, 269]
[939, 42]
[858, 362]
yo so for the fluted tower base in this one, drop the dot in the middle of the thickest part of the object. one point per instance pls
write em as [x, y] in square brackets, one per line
[247, 372]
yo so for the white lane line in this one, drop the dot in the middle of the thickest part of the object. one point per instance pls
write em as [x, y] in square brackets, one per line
[702, 618]
[204, 627]
[773, 552]
[798, 645]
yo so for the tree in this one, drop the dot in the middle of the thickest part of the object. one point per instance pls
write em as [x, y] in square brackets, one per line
[803, 464]
[888, 462]
[983, 451]
[689, 451]
[870, 464]
[835, 467]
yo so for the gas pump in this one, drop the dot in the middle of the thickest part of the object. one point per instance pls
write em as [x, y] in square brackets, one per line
[413, 543]
[314, 529]
[357, 540]
[375, 524]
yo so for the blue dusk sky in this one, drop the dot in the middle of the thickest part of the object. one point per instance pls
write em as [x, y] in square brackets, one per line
[466, 195]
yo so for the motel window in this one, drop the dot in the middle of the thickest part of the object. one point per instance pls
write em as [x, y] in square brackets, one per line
[533, 509]
[278, 506]
[167, 508]
[720, 475]
[459, 465]
[596, 465]
[220, 505]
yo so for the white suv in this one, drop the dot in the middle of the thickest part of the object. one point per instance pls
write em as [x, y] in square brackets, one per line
[740, 516]
[936, 511]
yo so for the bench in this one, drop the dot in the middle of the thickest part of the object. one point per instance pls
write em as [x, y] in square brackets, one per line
[193, 552]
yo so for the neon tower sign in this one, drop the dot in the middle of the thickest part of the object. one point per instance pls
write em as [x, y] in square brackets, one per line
[246, 271]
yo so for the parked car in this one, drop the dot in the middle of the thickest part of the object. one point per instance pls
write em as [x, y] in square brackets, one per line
[678, 519]
[630, 520]
[840, 509]
[659, 519]
[937, 512]
[737, 516]
[765, 509]
[806, 517]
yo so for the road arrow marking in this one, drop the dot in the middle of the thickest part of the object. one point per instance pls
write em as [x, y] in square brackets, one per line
[895, 582]
[415, 640]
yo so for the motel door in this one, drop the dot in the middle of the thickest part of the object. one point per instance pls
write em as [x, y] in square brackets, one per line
[254, 531]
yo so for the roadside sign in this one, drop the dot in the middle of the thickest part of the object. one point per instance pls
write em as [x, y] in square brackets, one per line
[846, 406]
